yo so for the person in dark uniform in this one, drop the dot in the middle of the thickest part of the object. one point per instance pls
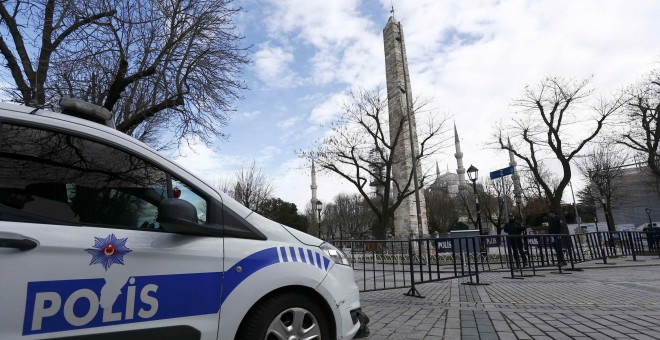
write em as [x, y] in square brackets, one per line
[515, 230]
[555, 227]
[650, 236]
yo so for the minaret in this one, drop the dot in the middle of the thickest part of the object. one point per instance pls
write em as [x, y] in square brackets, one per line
[517, 189]
[459, 159]
[437, 170]
[398, 101]
[314, 227]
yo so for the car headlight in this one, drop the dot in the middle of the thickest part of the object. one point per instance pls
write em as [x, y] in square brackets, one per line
[335, 254]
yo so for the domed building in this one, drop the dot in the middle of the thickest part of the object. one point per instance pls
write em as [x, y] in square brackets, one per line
[450, 182]
[447, 183]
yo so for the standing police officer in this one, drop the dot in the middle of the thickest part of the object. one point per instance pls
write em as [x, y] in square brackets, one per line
[650, 236]
[515, 230]
[555, 227]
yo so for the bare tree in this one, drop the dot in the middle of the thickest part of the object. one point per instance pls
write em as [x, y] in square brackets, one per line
[441, 210]
[641, 118]
[553, 124]
[249, 186]
[587, 198]
[603, 167]
[531, 188]
[159, 66]
[348, 216]
[493, 200]
[361, 151]
[36, 30]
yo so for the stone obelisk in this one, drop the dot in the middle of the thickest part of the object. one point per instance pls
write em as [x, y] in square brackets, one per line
[399, 97]
[314, 222]
[517, 188]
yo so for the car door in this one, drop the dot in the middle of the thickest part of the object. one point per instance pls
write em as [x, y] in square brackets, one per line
[81, 253]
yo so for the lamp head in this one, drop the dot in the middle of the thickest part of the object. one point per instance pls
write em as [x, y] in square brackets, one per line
[319, 206]
[473, 173]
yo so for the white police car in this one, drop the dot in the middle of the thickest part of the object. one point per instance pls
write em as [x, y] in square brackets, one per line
[102, 237]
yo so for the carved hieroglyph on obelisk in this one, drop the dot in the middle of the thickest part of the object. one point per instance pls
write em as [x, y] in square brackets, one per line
[398, 85]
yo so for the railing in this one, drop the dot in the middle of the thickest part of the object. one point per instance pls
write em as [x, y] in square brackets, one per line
[390, 264]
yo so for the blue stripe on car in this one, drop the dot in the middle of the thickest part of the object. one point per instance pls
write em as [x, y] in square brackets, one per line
[293, 254]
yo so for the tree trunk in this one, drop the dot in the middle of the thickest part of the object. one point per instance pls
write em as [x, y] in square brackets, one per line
[610, 226]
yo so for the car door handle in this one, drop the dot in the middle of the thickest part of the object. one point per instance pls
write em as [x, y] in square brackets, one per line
[18, 243]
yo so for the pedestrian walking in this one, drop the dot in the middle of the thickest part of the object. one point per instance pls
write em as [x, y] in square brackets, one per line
[556, 228]
[515, 231]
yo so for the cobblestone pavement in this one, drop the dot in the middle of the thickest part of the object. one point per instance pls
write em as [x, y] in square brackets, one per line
[619, 301]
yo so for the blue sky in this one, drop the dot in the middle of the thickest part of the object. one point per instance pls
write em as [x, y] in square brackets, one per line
[471, 57]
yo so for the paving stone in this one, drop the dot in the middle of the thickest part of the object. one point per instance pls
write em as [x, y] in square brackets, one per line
[468, 331]
[488, 336]
[436, 332]
[468, 323]
[559, 336]
[522, 335]
[506, 336]
[501, 326]
[424, 327]
[470, 337]
[452, 334]
[641, 337]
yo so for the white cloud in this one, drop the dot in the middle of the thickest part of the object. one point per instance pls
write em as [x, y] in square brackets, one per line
[342, 37]
[207, 163]
[248, 115]
[285, 124]
[273, 66]
[328, 109]
[268, 153]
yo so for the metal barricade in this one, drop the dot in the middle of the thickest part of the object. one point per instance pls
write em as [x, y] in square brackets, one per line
[392, 264]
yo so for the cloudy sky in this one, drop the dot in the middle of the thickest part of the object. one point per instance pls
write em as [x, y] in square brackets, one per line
[472, 57]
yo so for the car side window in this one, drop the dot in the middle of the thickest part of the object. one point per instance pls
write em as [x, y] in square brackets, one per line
[56, 178]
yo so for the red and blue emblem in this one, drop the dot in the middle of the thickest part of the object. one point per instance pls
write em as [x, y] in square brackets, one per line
[109, 250]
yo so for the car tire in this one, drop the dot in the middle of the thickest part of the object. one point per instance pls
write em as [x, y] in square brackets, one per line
[286, 315]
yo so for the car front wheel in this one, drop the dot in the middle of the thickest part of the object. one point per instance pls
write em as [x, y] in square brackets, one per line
[286, 317]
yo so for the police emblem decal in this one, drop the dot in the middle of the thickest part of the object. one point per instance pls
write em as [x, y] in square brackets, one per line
[109, 250]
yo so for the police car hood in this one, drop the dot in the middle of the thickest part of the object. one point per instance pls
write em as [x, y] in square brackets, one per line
[274, 231]
[279, 232]
[304, 238]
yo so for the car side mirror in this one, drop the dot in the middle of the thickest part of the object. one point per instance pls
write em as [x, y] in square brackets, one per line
[180, 216]
[174, 210]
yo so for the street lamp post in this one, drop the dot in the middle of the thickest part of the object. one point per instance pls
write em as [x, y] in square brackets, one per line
[600, 241]
[577, 216]
[319, 207]
[473, 174]
[603, 201]
[648, 213]
[600, 180]
[596, 221]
